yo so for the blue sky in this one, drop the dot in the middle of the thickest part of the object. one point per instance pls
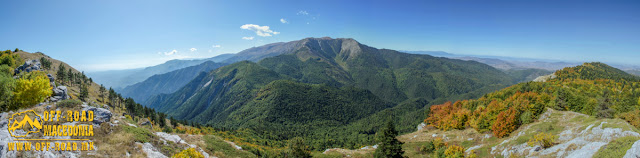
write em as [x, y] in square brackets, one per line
[101, 35]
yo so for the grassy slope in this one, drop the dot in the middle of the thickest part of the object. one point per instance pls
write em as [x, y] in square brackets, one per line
[554, 122]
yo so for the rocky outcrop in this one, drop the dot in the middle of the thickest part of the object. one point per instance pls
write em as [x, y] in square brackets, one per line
[176, 139]
[150, 150]
[575, 140]
[100, 115]
[28, 66]
[545, 78]
[60, 93]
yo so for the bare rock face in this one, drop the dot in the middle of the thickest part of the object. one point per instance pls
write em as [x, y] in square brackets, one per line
[28, 66]
[150, 150]
[60, 93]
[545, 78]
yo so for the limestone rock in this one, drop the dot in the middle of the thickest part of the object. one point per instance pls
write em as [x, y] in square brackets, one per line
[100, 115]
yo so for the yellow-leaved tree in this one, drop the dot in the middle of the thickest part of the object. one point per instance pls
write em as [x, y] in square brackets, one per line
[31, 89]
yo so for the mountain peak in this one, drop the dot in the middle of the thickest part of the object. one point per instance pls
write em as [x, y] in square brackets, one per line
[308, 47]
[594, 71]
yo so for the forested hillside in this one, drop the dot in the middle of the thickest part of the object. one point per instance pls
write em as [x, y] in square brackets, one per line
[166, 83]
[592, 88]
[341, 88]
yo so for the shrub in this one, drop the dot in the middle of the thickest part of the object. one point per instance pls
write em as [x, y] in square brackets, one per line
[31, 89]
[167, 129]
[506, 123]
[545, 140]
[633, 117]
[7, 84]
[454, 151]
[439, 153]
[427, 147]
[69, 103]
[6, 70]
[139, 134]
[439, 143]
[188, 153]
[527, 117]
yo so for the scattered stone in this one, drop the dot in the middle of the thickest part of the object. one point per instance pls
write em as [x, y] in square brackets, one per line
[421, 126]
[473, 148]
[146, 122]
[170, 137]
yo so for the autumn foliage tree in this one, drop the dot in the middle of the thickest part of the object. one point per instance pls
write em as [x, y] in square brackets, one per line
[31, 89]
[506, 123]
[448, 116]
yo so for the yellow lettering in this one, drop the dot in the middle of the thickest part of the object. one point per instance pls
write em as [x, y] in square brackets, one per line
[76, 116]
[12, 146]
[58, 112]
[91, 130]
[83, 117]
[27, 146]
[69, 116]
[20, 146]
[90, 116]
[46, 116]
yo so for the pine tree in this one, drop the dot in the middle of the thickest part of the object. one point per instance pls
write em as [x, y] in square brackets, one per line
[70, 76]
[102, 91]
[61, 74]
[84, 92]
[388, 145]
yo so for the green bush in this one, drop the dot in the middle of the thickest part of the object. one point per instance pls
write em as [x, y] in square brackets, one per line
[70, 103]
[167, 129]
[7, 84]
[427, 147]
[139, 134]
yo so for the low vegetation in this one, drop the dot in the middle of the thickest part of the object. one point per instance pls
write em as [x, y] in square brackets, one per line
[544, 140]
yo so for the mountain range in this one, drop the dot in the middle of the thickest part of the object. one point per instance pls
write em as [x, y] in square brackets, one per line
[118, 79]
[317, 87]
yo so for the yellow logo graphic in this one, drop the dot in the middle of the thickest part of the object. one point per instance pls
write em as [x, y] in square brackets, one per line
[34, 124]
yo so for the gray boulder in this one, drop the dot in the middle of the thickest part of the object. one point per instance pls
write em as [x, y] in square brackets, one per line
[51, 78]
[100, 115]
[60, 93]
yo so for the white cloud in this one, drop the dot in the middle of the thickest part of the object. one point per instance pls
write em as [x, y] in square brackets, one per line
[303, 12]
[284, 21]
[193, 49]
[169, 53]
[247, 38]
[216, 46]
[262, 31]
